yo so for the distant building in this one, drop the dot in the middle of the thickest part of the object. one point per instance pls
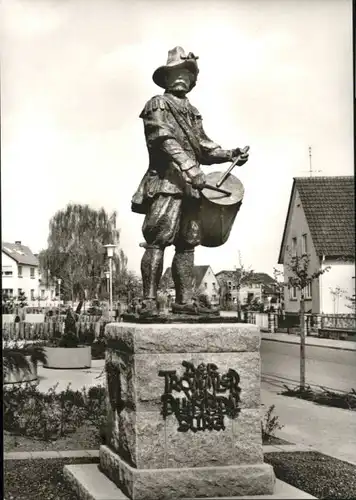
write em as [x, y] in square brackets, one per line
[321, 222]
[20, 273]
[258, 286]
[204, 281]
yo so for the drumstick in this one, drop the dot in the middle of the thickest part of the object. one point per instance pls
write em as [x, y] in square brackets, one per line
[232, 166]
[219, 190]
[214, 188]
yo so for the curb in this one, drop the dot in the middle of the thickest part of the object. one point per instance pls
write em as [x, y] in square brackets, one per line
[28, 455]
[283, 341]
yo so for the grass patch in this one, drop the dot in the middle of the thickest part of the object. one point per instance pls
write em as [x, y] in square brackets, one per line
[39, 479]
[323, 396]
[317, 474]
[274, 440]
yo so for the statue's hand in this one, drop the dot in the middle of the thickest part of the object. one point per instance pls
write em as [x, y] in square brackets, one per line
[196, 177]
[242, 153]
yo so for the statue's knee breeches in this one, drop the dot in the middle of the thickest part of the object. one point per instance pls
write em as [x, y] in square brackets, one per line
[172, 220]
[189, 234]
[161, 224]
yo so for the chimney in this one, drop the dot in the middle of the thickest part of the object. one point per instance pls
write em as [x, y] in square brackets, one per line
[17, 242]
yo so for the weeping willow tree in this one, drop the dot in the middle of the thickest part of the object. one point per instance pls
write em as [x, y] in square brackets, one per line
[76, 253]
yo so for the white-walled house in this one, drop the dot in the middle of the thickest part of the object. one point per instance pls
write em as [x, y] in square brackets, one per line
[204, 281]
[258, 286]
[20, 272]
[320, 222]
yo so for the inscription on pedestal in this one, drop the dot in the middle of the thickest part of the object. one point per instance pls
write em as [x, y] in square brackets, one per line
[208, 396]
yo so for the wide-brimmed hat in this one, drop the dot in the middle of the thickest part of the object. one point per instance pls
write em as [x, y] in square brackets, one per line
[177, 58]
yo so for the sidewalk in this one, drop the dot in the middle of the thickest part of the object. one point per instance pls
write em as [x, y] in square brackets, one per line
[329, 430]
[312, 341]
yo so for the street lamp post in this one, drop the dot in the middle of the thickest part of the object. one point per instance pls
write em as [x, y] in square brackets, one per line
[110, 254]
[107, 275]
[59, 293]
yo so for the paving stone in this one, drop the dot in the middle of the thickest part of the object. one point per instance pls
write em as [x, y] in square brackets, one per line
[17, 455]
[47, 454]
[73, 453]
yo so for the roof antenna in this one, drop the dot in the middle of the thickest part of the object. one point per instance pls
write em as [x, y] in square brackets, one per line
[311, 171]
[310, 161]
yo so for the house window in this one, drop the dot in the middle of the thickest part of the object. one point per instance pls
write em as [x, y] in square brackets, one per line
[308, 291]
[43, 294]
[8, 291]
[214, 284]
[206, 285]
[304, 244]
[229, 285]
[32, 272]
[7, 271]
[294, 247]
[19, 269]
[214, 297]
[32, 295]
[293, 293]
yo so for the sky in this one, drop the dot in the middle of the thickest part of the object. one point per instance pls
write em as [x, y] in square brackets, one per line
[274, 74]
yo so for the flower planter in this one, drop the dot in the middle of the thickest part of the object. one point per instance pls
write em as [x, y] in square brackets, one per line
[68, 357]
[22, 376]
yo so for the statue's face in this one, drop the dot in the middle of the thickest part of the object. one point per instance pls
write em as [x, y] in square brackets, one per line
[179, 81]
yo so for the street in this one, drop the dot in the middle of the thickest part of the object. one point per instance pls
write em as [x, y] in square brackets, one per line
[329, 368]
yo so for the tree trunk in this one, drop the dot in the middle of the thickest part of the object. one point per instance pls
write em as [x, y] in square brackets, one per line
[238, 304]
[302, 343]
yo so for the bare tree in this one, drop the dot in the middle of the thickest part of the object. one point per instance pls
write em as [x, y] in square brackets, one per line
[351, 304]
[299, 277]
[242, 276]
[336, 293]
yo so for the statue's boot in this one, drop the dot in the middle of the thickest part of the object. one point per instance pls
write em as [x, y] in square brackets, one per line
[151, 271]
[183, 276]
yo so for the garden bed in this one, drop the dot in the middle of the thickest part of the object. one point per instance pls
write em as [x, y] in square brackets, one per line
[323, 397]
[274, 440]
[317, 474]
[85, 437]
[40, 478]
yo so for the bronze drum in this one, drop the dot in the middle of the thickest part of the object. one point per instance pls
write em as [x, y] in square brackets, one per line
[218, 211]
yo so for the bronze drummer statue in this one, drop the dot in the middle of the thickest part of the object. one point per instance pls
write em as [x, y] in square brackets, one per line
[173, 188]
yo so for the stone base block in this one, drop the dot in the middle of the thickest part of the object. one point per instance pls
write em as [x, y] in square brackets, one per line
[90, 483]
[192, 482]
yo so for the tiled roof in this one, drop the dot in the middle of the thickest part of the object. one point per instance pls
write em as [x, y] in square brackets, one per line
[20, 253]
[329, 207]
[199, 273]
[259, 278]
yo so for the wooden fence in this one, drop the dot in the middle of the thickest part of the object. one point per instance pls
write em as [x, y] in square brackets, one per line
[49, 330]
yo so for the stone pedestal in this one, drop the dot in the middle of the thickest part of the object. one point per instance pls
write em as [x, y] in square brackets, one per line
[184, 411]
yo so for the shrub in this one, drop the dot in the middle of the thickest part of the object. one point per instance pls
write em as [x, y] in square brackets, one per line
[51, 415]
[86, 334]
[322, 396]
[68, 340]
[270, 424]
[98, 349]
